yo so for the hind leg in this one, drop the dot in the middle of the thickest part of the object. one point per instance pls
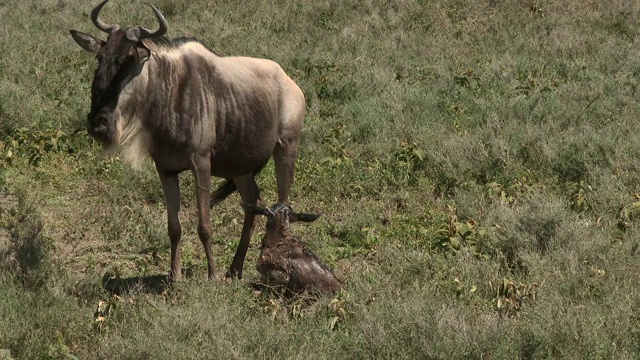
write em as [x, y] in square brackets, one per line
[284, 156]
[171, 187]
[250, 194]
[201, 168]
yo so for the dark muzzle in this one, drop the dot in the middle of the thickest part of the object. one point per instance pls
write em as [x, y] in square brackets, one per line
[99, 127]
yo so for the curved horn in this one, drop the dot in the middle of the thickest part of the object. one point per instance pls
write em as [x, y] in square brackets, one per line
[164, 26]
[99, 24]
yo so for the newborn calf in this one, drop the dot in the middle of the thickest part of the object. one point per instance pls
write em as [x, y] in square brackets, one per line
[286, 262]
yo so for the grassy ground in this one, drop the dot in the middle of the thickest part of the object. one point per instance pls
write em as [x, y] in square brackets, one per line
[475, 163]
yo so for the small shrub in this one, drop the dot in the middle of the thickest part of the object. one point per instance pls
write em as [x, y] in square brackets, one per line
[59, 350]
[104, 310]
[579, 195]
[459, 235]
[6, 156]
[627, 214]
[34, 144]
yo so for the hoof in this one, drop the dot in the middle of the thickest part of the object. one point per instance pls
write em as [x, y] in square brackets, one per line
[173, 278]
[233, 274]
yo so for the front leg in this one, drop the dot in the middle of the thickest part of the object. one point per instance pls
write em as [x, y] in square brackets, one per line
[250, 194]
[201, 168]
[171, 186]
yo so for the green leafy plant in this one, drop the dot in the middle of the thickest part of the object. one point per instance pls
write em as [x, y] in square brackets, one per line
[403, 163]
[34, 144]
[462, 289]
[514, 191]
[579, 195]
[627, 213]
[338, 312]
[459, 235]
[355, 240]
[104, 310]
[409, 153]
[6, 156]
[337, 139]
[496, 190]
[60, 350]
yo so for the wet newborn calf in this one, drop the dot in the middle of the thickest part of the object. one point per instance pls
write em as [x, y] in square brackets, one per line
[287, 262]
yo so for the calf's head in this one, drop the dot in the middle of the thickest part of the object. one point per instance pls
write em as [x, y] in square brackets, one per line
[280, 216]
[120, 59]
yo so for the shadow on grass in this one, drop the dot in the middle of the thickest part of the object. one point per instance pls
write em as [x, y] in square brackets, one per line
[153, 284]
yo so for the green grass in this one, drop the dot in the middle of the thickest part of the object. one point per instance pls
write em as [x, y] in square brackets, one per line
[475, 163]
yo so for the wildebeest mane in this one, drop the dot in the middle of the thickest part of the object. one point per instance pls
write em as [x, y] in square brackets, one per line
[159, 41]
[165, 42]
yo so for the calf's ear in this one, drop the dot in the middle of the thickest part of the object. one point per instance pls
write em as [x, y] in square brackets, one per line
[86, 41]
[256, 210]
[293, 217]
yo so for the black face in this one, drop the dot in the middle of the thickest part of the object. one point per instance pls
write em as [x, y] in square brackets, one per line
[120, 59]
[117, 60]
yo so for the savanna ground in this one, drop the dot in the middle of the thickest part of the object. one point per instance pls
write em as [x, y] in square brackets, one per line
[476, 164]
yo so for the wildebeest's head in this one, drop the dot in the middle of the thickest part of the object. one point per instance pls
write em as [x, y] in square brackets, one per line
[120, 59]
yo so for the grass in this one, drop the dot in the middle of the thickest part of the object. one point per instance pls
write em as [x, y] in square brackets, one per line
[475, 164]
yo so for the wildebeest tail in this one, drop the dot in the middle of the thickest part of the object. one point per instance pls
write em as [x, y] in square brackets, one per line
[227, 188]
[223, 191]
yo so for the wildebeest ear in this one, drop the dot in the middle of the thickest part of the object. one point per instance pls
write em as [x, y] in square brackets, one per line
[256, 210]
[293, 217]
[87, 42]
[143, 52]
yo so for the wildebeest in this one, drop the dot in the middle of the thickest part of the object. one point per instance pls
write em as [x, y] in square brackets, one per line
[284, 261]
[191, 109]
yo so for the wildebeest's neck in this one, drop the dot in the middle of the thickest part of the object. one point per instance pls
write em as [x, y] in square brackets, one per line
[179, 96]
[161, 104]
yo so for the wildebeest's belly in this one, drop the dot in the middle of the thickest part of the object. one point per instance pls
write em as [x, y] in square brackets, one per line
[233, 166]
[228, 159]
[243, 157]
[246, 131]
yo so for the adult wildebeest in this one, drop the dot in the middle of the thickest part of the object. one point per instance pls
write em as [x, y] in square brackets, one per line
[193, 110]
